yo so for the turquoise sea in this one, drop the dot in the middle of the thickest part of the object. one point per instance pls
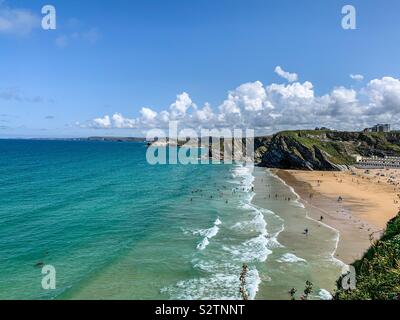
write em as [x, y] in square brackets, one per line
[115, 227]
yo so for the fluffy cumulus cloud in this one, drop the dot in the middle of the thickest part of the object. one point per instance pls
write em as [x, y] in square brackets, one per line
[290, 77]
[104, 123]
[181, 106]
[273, 107]
[147, 115]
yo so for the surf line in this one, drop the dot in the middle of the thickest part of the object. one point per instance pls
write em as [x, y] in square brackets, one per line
[302, 202]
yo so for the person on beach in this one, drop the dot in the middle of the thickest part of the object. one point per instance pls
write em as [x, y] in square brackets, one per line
[306, 231]
[321, 218]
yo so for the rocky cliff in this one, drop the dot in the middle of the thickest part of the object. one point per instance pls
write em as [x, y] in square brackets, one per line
[322, 150]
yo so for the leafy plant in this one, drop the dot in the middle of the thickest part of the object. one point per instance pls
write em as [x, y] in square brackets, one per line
[243, 275]
[306, 293]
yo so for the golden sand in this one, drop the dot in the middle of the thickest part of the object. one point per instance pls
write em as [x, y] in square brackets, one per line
[357, 203]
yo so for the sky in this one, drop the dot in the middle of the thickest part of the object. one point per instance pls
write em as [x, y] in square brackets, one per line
[122, 67]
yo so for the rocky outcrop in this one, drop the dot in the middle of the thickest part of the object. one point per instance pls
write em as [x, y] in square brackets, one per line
[323, 150]
[287, 153]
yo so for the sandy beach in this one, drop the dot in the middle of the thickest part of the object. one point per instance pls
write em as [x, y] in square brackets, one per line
[358, 203]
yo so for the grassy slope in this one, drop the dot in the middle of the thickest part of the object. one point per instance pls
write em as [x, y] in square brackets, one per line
[378, 272]
[336, 150]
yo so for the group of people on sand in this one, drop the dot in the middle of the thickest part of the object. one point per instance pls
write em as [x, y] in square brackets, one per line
[387, 176]
[276, 197]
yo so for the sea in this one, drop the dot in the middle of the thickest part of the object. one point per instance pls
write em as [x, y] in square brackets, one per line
[114, 226]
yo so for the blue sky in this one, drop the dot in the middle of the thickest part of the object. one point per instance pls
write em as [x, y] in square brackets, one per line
[109, 57]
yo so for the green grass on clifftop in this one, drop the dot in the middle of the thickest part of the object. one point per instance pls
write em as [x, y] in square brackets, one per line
[337, 152]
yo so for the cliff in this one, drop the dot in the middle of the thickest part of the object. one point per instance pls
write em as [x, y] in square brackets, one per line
[322, 149]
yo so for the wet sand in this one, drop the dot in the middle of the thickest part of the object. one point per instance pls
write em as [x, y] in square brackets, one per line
[295, 257]
[369, 200]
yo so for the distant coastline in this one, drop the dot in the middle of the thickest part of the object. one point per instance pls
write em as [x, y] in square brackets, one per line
[96, 139]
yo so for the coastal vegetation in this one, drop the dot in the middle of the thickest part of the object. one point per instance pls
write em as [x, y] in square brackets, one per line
[306, 293]
[323, 149]
[378, 271]
[243, 289]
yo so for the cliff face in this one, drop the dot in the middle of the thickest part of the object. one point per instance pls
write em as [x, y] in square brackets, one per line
[322, 150]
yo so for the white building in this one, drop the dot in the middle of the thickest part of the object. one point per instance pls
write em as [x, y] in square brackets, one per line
[378, 163]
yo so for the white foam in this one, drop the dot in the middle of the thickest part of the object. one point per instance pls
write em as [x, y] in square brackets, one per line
[207, 234]
[214, 266]
[290, 258]
[203, 244]
[253, 281]
[257, 224]
[219, 285]
[324, 295]
[255, 249]
[219, 276]
[244, 173]
[299, 202]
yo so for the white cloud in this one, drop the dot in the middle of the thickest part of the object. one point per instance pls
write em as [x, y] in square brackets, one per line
[250, 96]
[277, 107]
[295, 91]
[148, 115]
[117, 121]
[16, 21]
[290, 77]
[181, 105]
[204, 115]
[104, 122]
[357, 77]
[383, 95]
[120, 122]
